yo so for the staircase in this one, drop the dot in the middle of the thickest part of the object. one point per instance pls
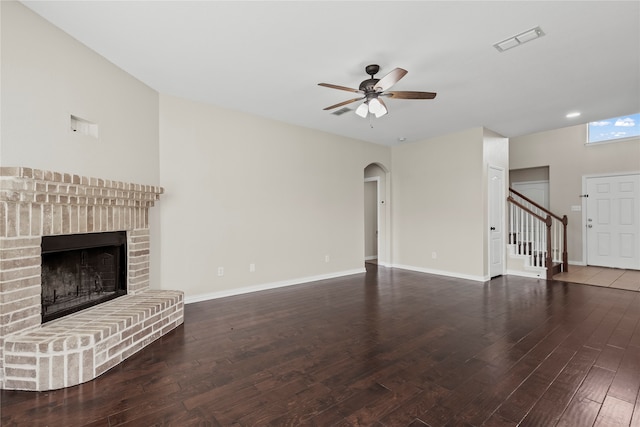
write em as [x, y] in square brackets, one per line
[537, 239]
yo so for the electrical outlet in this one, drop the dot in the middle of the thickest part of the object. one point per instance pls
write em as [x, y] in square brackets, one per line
[220, 271]
[326, 258]
[252, 268]
[434, 255]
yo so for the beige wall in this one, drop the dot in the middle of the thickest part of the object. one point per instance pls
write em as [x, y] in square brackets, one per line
[243, 190]
[438, 197]
[529, 174]
[569, 159]
[45, 77]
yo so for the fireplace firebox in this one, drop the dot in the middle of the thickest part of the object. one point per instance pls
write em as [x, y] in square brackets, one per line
[81, 270]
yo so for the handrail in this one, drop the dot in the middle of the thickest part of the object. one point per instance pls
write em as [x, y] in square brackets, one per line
[526, 209]
[549, 235]
[542, 208]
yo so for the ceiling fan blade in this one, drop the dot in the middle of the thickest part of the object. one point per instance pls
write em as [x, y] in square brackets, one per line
[390, 79]
[343, 103]
[410, 95]
[348, 89]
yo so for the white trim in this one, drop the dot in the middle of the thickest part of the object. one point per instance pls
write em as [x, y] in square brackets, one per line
[370, 257]
[267, 286]
[609, 141]
[376, 179]
[442, 273]
[525, 274]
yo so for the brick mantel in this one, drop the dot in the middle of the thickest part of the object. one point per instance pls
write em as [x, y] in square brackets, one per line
[36, 203]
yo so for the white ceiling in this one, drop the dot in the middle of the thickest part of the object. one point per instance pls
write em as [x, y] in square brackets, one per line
[266, 58]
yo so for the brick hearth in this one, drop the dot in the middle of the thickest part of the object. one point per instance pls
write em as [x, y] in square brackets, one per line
[62, 353]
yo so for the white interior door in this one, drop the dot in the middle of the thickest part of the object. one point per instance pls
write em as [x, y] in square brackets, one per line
[496, 221]
[613, 221]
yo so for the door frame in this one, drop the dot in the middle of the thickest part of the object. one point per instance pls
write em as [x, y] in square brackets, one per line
[502, 208]
[585, 261]
[376, 179]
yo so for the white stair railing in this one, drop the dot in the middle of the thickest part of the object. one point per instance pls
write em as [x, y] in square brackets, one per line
[537, 233]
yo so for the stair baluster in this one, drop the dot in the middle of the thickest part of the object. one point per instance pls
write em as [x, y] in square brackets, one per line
[537, 233]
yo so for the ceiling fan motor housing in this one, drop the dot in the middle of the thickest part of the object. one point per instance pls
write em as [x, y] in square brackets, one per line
[368, 86]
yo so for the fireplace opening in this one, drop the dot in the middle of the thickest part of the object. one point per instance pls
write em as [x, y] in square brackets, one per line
[81, 270]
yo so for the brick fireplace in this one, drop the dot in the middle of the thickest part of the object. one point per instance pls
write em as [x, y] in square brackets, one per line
[79, 347]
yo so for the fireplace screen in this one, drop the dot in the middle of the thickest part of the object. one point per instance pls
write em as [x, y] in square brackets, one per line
[81, 270]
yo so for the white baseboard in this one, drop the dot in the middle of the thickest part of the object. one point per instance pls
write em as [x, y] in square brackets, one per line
[370, 257]
[520, 273]
[267, 286]
[443, 273]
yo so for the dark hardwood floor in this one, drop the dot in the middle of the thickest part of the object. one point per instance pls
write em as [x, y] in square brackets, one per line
[389, 348]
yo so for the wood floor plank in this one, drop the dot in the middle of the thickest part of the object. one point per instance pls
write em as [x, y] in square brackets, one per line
[635, 419]
[596, 384]
[610, 358]
[534, 387]
[626, 382]
[614, 413]
[450, 406]
[408, 411]
[388, 347]
[548, 410]
[624, 330]
[580, 412]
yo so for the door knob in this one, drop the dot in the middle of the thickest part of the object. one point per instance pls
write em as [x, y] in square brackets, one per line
[493, 229]
[590, 226]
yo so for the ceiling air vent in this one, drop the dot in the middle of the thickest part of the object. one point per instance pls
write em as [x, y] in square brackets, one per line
[341, 111]
[519, 39]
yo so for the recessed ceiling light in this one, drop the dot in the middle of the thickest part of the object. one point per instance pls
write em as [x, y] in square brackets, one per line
[401, 139]
[572, 115]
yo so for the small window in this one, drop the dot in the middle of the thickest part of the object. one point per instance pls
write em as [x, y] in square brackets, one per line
[614, 129]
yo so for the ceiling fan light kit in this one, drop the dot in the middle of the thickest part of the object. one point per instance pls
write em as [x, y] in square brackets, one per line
[363, 110]
[372, 89]
[374, 106]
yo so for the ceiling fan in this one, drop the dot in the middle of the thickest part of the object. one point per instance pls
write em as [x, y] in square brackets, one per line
[373, 89]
